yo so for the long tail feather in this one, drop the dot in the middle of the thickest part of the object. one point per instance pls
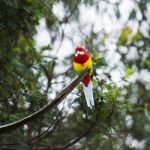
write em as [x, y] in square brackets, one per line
[89, 94]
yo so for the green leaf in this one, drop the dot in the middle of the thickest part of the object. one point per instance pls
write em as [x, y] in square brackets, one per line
[129, 71]
[124, 35]
[136, 36]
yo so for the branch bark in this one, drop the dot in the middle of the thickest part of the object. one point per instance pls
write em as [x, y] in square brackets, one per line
[12, 126]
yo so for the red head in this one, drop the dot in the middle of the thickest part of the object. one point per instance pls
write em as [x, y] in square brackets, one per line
[80, 49]
[81, 56]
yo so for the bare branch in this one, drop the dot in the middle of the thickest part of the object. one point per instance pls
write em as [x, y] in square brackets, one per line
[12, 126]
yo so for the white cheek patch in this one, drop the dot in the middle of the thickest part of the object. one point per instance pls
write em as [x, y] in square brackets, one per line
[81, 53]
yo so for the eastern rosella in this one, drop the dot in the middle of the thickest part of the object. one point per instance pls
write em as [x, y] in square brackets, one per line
[81, 61]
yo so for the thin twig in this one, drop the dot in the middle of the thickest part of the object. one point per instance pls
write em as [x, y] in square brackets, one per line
[83, 134]
[43, 133]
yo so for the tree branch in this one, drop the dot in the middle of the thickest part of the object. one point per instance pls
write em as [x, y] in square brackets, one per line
[86, 132]
[41, 135]
[75, 140]
[12, 126]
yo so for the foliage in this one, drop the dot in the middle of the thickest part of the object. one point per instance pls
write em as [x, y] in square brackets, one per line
[30, 76]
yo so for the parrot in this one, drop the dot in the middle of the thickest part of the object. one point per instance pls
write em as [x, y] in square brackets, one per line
[81, 61]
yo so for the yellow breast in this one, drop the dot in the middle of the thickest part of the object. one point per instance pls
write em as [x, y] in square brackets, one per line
[80, 67]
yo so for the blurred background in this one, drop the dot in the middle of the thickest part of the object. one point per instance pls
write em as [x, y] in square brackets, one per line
[37, 42]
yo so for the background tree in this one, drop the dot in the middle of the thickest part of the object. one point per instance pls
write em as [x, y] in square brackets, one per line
[32, 75]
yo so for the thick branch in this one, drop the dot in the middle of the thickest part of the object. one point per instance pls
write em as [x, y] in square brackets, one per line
[46, 108]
